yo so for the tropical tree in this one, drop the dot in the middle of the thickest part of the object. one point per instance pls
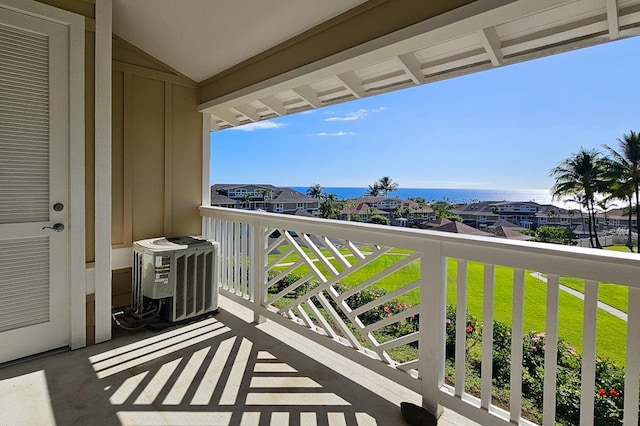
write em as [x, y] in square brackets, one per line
[266, 195]
[624, 192]
[442, 209]
[246, 199]
[386, 185]
[581, 173]
[627, 163]
[315, 191]
[373, 190]
[620, 188]
[330, 206]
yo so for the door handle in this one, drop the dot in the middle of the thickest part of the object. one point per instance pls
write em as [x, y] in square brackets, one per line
[58, 227]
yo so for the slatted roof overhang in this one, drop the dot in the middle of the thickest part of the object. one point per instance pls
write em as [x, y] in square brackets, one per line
[475, 37]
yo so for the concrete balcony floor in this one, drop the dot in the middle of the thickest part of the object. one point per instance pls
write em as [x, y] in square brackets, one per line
[219, 371]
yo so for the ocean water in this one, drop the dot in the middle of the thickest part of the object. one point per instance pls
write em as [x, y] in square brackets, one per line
[454, 195]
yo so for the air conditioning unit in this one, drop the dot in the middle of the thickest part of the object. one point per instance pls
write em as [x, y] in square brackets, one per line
[175, 277]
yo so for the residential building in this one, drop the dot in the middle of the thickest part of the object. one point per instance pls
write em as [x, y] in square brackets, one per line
[107, 109]
[262, 197]
[527, 215]
[365, 207]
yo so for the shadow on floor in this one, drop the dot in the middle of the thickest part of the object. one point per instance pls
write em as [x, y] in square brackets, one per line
[218, 371]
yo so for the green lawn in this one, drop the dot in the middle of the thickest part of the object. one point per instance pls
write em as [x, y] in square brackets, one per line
[621, 248]
[611, 294]
[611, 333]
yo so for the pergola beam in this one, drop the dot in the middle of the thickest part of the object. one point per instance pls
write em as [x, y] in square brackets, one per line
[352, 83]
[248, 111]
[308, 95]
[412, 67]
[492, 44]
[227, 116]
[613, 15]
[274, 104]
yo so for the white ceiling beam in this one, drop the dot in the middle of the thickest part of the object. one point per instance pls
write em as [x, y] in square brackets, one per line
[214, 126]
[248, 111]
[274, 104]
[226, 115]
[492, 44]
[308, 95]
[352, 83]
[613, 15]
[412, 66]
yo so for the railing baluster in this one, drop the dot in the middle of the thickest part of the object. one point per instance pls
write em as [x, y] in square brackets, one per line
[461, 326]
[259, 257]
[487, 337]
[244, 259]
[517, 322]
[588, 374]
[433, 299]
[551, 352]
[632, 365]
[234, 247]
[253, 238]
[225, 254]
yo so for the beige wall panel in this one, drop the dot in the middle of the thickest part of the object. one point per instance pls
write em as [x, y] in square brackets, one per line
[146, 143]
[117, 160]
[89, 149]
[186, 161]
[81, 7]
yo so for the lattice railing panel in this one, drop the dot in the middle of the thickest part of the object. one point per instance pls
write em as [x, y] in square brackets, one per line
[333, 286]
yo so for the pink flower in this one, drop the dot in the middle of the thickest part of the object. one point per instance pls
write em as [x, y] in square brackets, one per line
[386, 309]
[448, 321]
[469, 329]
[534, 349]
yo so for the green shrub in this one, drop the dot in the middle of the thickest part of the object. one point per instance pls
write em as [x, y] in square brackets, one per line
[450, 330]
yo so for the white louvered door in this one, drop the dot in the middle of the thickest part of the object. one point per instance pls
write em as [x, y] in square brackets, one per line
[34, 139]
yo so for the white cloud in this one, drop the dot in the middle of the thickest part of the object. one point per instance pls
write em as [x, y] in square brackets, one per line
[356, 115]
[259, 125]
[336, 134]
[379, 109]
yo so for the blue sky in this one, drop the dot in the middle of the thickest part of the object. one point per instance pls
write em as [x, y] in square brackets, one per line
[499, 129]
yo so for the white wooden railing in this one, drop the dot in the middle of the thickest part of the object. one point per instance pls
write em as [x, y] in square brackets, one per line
[331, 252]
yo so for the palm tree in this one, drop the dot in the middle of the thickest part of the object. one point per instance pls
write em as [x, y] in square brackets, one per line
[624, 191]
[620, 188]
[266, 195]
[373, 190]
[571, 213]
[315, 191]
[246, 200]
[386, 185]
[581, 173]
[627, 161]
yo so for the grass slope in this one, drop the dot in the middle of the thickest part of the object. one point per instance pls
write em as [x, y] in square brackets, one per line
[611, 331]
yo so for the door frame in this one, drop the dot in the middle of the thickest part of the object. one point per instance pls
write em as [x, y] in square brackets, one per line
[76, 98]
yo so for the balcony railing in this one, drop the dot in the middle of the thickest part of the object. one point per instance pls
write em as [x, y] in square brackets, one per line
[259, 250]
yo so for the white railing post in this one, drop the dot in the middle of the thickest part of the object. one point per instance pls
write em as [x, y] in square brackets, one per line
[588, 375]
[551, 352]
[433, 293]
[632, 366]
[258, 259]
